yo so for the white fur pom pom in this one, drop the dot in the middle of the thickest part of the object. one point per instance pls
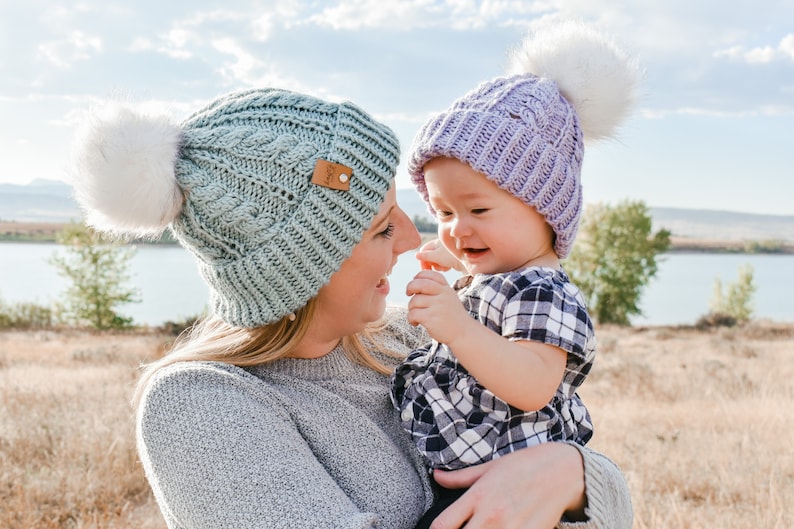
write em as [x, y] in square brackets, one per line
[592, 72]
[123, 170]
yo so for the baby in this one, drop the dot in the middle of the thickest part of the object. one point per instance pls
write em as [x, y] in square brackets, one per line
[500, 170]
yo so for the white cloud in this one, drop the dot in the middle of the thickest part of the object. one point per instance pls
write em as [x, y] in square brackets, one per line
[787, 46]
[734, 52]
[187, 35]
[405, 15]
[201, 28]
[415, 119]
[284, 13]
[358, 14]
[784, 51]
[247, 69]
[178, 37]
[762, 110]
[262, 27]
[143, 44]
[77, 46]
[763, 55]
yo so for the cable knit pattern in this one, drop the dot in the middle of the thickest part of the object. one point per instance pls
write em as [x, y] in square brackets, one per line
[304, 443]
[522, 134]
[266, 238]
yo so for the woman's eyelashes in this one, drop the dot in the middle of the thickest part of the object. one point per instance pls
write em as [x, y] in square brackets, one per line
[388, 232]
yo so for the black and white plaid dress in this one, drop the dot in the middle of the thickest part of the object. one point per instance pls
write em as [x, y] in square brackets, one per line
[455, 421]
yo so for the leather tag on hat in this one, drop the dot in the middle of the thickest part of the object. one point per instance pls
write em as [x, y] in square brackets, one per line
[332, 175]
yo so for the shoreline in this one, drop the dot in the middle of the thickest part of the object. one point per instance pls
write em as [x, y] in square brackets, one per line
[46, 232]
[688, 245]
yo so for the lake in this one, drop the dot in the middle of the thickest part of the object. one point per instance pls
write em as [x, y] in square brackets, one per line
[171, 288]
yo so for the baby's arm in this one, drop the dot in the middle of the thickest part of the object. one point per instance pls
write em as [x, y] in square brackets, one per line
[525, 374]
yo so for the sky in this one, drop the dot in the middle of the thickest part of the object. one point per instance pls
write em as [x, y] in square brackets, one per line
[713, 128]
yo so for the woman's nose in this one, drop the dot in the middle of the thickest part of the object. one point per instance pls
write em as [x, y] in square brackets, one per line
[408, 235]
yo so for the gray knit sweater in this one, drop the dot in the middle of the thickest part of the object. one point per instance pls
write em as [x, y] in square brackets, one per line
[302, 444]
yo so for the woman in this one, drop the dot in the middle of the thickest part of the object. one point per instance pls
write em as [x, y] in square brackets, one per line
[274, 412]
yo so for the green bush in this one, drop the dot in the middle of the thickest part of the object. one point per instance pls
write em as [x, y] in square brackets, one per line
[425, 224]
[715, 319]
[765, 246]
[98, 271]
[178, 327]
[614, 257]
[737, 299]
[25, 316]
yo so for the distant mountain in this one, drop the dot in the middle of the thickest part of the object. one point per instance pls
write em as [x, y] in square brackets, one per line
[51, 201]
[724, 225]
[686, 223]
[39, 201]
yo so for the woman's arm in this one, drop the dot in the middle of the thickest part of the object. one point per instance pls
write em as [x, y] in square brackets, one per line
[536, 487]
[220, 452]
[608, 502]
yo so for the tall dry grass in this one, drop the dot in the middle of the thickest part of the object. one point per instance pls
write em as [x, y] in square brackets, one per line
[67, 448]
[699, 421]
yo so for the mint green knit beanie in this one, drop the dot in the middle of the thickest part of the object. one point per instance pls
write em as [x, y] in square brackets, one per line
[269, 189]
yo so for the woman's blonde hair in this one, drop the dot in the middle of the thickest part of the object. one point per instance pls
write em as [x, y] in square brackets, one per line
[213, 340]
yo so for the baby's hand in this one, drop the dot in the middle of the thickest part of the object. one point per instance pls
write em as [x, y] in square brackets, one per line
[434, 256]
[435, 306]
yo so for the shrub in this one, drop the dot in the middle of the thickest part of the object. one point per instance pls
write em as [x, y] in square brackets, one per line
[737, 301]
[25, 316]
[176, 328]
[425, 224]
[765, 246]
[97, 268]
[715, 319]
[614, 258]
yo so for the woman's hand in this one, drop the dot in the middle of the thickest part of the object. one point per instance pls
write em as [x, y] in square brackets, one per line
[528, 489]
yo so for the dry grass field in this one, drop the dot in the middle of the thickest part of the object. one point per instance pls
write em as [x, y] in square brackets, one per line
[700, 421]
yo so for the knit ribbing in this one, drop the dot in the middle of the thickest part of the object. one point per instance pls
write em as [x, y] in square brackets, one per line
[266, 238]
[606, 507]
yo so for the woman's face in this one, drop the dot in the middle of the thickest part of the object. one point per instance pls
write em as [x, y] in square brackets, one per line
[356, 293]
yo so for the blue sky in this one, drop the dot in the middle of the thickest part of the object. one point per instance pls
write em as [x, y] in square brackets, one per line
[714, 128]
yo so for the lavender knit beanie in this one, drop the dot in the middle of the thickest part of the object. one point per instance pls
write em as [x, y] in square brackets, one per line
[526, 132]
[270, 190]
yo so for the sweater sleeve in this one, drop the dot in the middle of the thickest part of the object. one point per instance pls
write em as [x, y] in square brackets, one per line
[608, 499]
[217, 457]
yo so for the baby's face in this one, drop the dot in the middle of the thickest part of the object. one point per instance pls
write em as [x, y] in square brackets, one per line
[486, 228]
